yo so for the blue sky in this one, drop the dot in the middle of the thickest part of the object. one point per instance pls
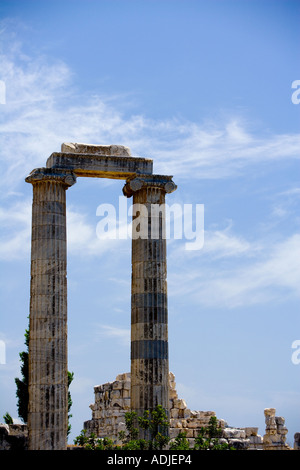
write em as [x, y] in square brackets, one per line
[204, 89]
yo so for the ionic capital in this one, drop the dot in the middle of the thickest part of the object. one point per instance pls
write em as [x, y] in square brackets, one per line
[162, 182]
[65, 177]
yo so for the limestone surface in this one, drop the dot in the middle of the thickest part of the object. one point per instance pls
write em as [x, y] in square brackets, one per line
[112, 401]
[104, 150]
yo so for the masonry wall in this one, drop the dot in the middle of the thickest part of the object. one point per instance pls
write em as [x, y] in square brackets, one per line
[112, 401]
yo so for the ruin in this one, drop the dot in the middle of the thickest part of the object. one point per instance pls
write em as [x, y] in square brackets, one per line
[48, 382]
[149, 383]
[112, 401]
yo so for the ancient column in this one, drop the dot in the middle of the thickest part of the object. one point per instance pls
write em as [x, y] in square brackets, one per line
[48, 372]
[149, 306]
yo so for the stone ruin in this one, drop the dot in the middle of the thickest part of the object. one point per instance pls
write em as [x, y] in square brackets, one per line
[13, 437]
[112, 401]
[276, 431]
[48, 346]
[149, 382]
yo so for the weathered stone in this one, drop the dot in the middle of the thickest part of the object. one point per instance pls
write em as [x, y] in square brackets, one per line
[174, 413]
[48, 379]
[275, 435]
[13, 437]
[149, 307]
[297, 441]
[100, 166]
[105, 150]
[180, 404]
[234, 433]
[239, 444]
[251, 431]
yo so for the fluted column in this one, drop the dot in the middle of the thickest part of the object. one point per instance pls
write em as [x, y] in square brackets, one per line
[149, 305]
[48, 370]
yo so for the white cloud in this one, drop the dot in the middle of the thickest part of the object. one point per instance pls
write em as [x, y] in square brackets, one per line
[275, 276]
[108, 331]
[43, 109]
[16, 230]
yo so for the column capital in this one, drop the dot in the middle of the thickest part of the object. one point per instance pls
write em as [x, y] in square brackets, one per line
[165, 183]
[66, 177]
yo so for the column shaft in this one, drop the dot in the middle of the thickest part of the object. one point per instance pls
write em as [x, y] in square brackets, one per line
[48, 370]
[149, 305]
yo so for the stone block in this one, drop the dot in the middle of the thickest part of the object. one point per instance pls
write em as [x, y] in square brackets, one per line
[189, 433]
[175, 423]
[126, 385]
[100, 166]
[255, 439]
[207, 414]
[104, 150]
[297, 441]
[250, 431]
[192, 423]
[115, 394]
[239, 444]
[174, 412]
[125, 393]
[173, 432]
[234, 433]
[117, 385]
[180, 404]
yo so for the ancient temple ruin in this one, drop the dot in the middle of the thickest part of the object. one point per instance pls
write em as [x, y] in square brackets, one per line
[48, 380]
[112, 401]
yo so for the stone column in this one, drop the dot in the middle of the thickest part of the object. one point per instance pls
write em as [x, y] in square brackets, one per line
[48, 371]
[149, 306]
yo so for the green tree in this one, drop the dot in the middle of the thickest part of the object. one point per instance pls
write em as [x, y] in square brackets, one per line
[8, 419]
[92, 443]
[208, 437]
[22, 384]
[70, 402]
[157, 423]
[180, 442]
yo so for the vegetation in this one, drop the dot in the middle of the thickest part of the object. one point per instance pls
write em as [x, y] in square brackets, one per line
[70, 379]
[22, 384]
[8, 419]
[22, 388]
[155, 424]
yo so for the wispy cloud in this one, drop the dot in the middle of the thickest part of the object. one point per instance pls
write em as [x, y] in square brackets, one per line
[108, 331]
[275, 275]
[43, 109]
[15, 220]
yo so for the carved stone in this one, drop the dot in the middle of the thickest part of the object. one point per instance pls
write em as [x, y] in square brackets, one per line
[48, 381]
[149, 306]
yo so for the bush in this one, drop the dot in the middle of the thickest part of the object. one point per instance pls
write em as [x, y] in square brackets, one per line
[156, 423]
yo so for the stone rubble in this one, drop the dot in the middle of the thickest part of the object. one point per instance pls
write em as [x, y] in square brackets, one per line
[275, 436]
[13, 437]
[112, 401]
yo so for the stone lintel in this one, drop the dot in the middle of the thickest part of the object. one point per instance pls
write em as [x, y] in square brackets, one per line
[101, 166]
